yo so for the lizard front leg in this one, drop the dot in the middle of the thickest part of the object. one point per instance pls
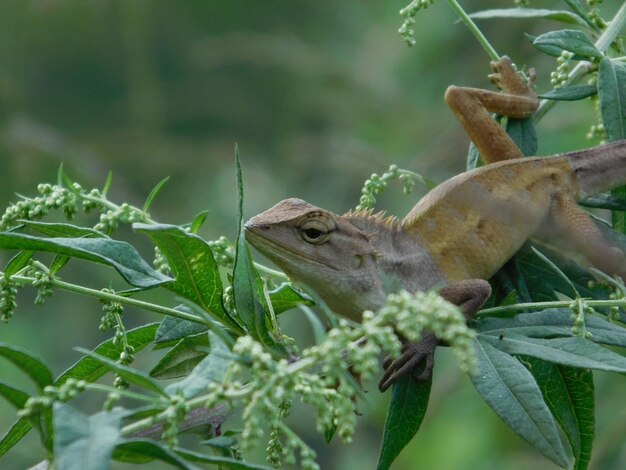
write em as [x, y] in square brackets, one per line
[472, 107]
[418, 358]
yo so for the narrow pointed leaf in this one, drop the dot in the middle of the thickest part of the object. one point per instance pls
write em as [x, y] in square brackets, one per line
[28, 363]
[570, 93]
[84, 442]
[520, 13]
[285, 297]
[139, 451]
[155, 191]
[573, 351]
[247, 284]
[196, 273]
[62, 230]
[182, 358]
[14, 435]
[133, 376]
[409, 400]
[198, 221]
[210, 369]
[120, 255]
[569, 393]
[511, 391]
[18, 262]
[605, 201]
[221, 462]
[549, 323]
[90, 369]
[612, 93]
[13, 395]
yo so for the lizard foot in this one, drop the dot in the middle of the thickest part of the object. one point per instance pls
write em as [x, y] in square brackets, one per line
[416, 359]
[506, 78]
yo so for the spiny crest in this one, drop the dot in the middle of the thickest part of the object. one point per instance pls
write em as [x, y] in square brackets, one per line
[367, 218]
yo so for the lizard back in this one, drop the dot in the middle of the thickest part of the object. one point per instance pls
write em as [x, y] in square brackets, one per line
[473, 223]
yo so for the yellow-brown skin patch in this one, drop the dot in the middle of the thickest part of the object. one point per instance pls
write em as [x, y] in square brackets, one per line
[473, 223]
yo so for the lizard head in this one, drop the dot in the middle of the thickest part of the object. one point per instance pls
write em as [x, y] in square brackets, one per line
[322, 250]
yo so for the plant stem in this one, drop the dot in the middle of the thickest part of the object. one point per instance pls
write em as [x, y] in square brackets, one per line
[491, 52]
[555, 304]
[117, 298]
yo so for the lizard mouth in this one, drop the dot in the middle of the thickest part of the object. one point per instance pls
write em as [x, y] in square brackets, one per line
[277, 253]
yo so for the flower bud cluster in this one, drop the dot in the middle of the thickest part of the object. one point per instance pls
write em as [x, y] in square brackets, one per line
[376, 184]
[160, 263]
[43, 285]
[408, 12]
[125, 214]
[174, 415]
[66, 391]
[223, 252]
[51, 197]
[559, 77]
[8, 297]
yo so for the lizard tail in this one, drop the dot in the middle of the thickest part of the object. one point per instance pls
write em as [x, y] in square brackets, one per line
[600, 168]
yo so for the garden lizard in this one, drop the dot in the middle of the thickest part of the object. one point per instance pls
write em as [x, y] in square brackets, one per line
[460, 233]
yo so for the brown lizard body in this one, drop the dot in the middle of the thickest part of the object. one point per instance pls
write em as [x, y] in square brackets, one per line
[460, 233]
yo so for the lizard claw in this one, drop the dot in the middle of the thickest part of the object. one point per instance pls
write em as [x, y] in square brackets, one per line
[416, 359]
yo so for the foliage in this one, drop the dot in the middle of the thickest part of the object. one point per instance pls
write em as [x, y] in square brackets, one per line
[229, 355]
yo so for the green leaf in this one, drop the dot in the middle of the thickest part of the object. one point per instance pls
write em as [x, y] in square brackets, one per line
[573, 351]
[84, 442]
[569, 393]
[285, 297]
[120, 255]
[198, 220]
[210, 369]
[129, 374]
[523, 133]
[13, 395]
[153, 194]
[107, 183]
[14, 435]
[144, 450]
[511, 391]
[605, 201]
[571, 93]
[247, 284]
[222, 462]
[543, 283]
[28, 363]
[18, 262]
[62, 230]
[90, 369]
[612, 93]
[581, 11]
[520, 13]
[182, 358]
[174, 329]
[549, 323]
[196, 273]
[409, 400]
[555, 42]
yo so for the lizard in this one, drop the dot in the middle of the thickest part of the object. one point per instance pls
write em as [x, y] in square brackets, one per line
[458, 235]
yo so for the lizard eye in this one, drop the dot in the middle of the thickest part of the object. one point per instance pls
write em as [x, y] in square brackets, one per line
[316, 231]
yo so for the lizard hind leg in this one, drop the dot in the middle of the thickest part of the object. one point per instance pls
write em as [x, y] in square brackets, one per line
[580, 233]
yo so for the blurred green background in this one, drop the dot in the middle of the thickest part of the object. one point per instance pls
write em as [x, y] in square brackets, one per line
[318, 95]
